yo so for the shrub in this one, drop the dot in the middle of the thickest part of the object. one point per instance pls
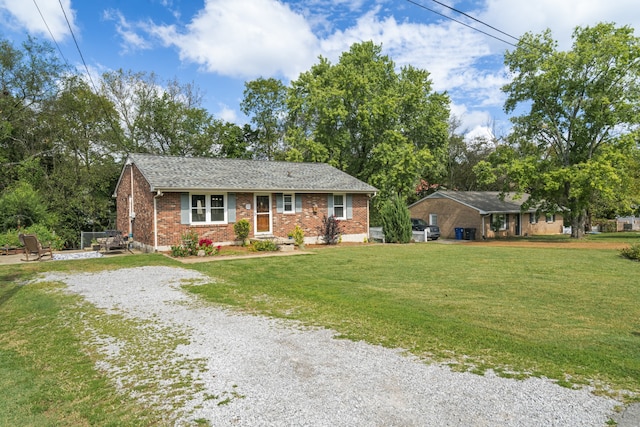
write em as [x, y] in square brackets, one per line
[45, 236]
[264, 245]
[241, 228]
[632, 252]
[396, 221]
[330, 230]
[298, 236]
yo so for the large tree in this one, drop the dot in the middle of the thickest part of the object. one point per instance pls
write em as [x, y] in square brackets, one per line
[362, 116]
[569, 147]
[265, 102]
[28, 77]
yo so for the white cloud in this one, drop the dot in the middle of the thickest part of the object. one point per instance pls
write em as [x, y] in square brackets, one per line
[24, 14]
[243, 38]
[227, 114]
[131, 40]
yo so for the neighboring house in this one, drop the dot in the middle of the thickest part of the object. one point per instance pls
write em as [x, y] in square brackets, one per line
[628, 223]
[479, 210]
[159, 198]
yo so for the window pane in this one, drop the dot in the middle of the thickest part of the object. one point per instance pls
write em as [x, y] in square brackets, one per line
[288, 203]
[198, 208]
[337, 200]
[217, 201]
[217, 214]
[338, 211]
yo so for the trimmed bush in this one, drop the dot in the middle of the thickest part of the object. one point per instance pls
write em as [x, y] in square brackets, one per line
[632, 252]
[241, 229]
[396, 221]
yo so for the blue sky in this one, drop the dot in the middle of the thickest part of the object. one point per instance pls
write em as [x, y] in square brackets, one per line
[220, 44]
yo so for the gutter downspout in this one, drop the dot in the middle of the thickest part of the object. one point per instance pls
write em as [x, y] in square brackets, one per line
[132, 214]
[155, 220]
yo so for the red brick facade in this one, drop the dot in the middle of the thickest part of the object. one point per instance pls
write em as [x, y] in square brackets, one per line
[168, 216]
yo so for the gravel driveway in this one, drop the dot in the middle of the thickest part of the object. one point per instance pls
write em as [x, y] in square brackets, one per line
[244, 370]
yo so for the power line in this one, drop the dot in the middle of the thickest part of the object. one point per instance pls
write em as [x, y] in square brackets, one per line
[476, 19]
[77, 46]
[462, 23]
[50, 33]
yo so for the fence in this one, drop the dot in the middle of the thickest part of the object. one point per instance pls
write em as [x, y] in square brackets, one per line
[87, 236]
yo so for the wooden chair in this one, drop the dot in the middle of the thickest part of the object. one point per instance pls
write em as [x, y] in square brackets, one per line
[32, 246]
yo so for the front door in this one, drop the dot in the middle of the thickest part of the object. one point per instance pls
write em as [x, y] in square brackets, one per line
[263, 214]
[518, 224]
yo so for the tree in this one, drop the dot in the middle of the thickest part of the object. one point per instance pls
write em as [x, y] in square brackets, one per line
[264, 100]
[361, 116]
[28, 77]
[82, 127]
[571, 147]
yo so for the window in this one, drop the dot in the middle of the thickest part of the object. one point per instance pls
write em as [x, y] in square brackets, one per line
[338, 206]
[500, 221]
[287, 203]
[533, 218]
[208, 208]
[551, 218]
[433, 219]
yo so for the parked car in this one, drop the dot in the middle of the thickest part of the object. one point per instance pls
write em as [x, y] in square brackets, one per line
[419, 224]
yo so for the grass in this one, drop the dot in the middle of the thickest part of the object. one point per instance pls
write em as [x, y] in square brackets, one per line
[564, 313]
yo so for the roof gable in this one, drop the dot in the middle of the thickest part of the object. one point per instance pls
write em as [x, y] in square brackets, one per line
[485, 202]
[168, 173]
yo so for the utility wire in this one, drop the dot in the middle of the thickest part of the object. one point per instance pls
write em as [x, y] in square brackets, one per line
[77, 46]
[476, 19]
[50, 33]
[462, 23]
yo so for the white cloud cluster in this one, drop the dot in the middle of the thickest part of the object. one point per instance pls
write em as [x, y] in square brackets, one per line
[18, 14]
[243, 38]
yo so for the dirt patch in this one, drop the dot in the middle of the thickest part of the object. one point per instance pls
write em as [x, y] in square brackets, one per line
[578, 244]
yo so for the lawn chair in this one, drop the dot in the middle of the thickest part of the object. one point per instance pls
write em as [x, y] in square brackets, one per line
[32, 246]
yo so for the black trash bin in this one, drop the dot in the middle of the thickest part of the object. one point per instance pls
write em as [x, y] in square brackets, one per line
[470, 234]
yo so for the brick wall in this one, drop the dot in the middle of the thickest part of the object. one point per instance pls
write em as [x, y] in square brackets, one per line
[142, 225]
[450, 215]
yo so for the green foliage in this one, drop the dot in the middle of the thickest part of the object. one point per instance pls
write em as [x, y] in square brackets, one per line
[330, 231]
[298, 235]
[22, 206]
[396, 221]
[264, 102]
[264, 246]
[45, 235]
[361, 116]
[241, 230]
[631, 252]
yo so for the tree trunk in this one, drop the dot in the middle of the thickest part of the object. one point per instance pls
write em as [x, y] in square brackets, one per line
[577, 224]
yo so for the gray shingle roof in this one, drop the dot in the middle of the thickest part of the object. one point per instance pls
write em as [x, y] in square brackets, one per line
[485, 202]
[169, 173]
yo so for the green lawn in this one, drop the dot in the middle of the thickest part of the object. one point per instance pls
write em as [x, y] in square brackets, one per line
[546, 311]
[568, 314]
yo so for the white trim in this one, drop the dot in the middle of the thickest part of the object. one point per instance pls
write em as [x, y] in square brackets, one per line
[207, 208]
[344, 206]
[293, 204]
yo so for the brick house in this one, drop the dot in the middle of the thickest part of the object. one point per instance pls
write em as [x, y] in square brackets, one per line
[159, 198]
[479, 210]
